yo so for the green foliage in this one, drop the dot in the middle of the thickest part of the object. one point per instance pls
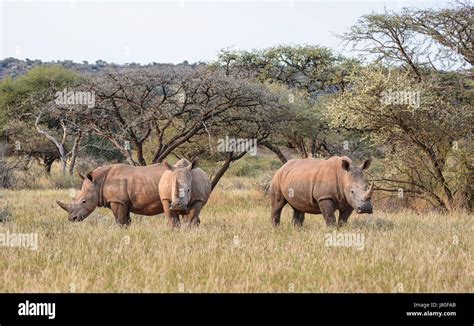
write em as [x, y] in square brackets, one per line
[301, 75]
[310, 68]
[419, 40]
[417, 124]
[21, 96]
[253, 166]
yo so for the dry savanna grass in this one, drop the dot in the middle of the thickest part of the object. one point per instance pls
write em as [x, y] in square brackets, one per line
[234, 250]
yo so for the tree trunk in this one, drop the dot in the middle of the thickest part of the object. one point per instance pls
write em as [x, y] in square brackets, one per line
[59, 145]
[63, 165]
[230, 158]
[48, 163]
[74, 152]
[299, 146]
[277, 151]
[141, 159]
[165, 150]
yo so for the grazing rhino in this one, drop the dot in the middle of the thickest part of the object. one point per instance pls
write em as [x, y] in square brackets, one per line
[121, 187]
[320, 187]
[184, 189]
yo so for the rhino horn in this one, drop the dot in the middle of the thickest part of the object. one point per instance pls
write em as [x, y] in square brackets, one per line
[66, 207]
[371, 190]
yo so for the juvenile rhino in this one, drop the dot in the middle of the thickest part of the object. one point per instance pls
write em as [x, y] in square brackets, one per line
[120, 187]
[320, 187]
[184, 190]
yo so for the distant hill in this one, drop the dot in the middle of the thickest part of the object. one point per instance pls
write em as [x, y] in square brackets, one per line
[15, 67]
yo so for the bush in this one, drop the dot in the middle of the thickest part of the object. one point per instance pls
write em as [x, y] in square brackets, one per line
[5, 214]
[253, 166]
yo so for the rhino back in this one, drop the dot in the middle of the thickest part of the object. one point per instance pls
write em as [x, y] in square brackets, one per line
[136, 187]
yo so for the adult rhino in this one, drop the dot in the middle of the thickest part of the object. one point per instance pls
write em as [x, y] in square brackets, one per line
[321, 187]
[120, 187]
[184, 189]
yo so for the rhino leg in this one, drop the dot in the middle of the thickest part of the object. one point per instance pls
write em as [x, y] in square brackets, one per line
[328, 208]
[121, 213]
[344, 216]
[172, 217]
[192, 218]
[196, 221]
[278, 202]
[298, 217]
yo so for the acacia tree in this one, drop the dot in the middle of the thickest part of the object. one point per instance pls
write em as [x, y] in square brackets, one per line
[419, 141]
[242, 128]
[125, 101]
[420, 125]
[29, 99]
[450, 27]
[300, 74]
[25, 142]
[173, 107]
[309, 68]
[416, 40]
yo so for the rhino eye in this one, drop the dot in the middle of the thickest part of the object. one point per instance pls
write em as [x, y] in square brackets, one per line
[352, 190]
[84, 201]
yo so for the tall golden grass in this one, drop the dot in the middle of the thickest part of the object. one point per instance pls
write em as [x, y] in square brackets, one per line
[234, 250]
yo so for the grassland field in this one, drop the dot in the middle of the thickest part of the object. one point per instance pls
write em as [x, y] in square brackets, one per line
[234, 250]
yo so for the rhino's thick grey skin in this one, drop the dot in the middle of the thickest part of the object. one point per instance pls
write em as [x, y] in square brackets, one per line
[120, 187]
[184, 190]
[320, 187]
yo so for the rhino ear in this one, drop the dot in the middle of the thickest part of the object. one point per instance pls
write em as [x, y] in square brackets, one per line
[346, 164]
[366, 164]
[194, 164]
[167, 165]
[90, 177]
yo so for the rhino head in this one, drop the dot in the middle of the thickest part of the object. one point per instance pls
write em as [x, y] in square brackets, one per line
[181, 183]
[356, 190]
[85, 202]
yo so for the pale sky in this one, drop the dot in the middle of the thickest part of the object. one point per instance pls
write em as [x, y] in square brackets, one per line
[173, 31]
